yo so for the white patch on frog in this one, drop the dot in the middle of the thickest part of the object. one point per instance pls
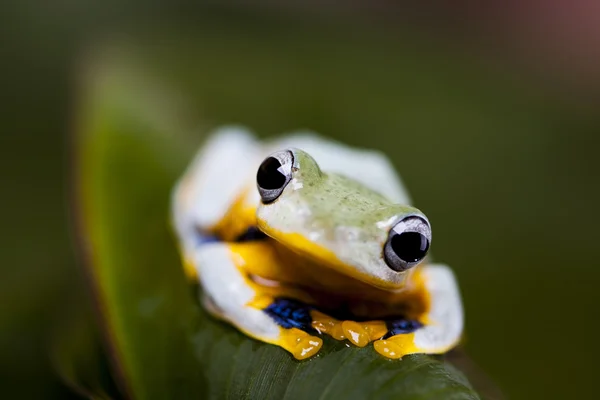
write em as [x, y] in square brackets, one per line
[216, 176]
[387, 223]
[369, 167]
[347, 233]
[223, 282]
[296, 185]
[446, 314]
[314, 236]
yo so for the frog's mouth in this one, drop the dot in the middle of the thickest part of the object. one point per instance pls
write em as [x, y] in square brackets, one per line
[316, 261]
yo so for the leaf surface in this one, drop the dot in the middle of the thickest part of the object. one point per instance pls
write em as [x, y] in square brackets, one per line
[131, 146]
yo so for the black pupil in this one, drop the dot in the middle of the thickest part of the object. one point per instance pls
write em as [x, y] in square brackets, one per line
[410, 246]
[269, 174]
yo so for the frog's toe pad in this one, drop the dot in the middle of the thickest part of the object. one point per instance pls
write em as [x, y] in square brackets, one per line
[289, 313]
[307, 347]
[299, 343]
[397, 346]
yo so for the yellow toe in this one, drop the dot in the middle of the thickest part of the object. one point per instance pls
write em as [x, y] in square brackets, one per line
[299, 343]
[388, 349]
[397, 346]
[355, 333]
[322, 322]
[375, 329]
[307, 347]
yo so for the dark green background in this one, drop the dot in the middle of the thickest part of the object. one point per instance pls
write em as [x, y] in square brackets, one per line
[504, 164]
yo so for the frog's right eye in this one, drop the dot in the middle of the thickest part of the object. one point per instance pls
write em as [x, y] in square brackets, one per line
[274, 174]
[408, 243]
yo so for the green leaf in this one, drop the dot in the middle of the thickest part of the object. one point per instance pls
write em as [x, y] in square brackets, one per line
[77, 356]
[131, 146]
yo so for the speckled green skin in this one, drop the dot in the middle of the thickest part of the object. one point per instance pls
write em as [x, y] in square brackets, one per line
[338, 214]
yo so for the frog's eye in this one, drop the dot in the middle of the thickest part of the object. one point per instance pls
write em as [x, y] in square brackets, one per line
[274, 174]
[407, 244]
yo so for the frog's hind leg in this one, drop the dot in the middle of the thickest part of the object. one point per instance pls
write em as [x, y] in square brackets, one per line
[211, 185]
[442, 326]
[230, 296]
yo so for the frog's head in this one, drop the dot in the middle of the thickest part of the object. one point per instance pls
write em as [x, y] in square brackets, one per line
[338, 222]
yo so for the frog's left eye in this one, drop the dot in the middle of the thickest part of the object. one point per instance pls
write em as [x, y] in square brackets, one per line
[274, 174]
[407, 244]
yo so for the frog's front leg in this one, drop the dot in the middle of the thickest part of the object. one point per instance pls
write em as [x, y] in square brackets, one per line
[233, 297]
[442, 325]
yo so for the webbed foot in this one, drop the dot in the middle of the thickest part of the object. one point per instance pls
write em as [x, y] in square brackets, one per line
[397, 346]
[299, 320]
[358, 333]
[295, 318]
[399, 341]
[299, 343]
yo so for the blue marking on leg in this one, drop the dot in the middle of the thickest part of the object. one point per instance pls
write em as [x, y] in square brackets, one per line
[401, 325]
[290, 313]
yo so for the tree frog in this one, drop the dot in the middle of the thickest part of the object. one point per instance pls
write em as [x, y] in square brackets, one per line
[300, 236]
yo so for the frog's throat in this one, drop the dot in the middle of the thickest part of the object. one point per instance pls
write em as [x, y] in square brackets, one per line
[301, 245]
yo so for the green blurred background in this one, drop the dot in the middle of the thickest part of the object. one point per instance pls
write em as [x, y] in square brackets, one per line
[490, 115]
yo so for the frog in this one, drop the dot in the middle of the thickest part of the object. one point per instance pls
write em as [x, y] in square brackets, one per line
[300, 236]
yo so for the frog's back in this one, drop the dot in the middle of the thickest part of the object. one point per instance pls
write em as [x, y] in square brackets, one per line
[369, 167]
[225, 168]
